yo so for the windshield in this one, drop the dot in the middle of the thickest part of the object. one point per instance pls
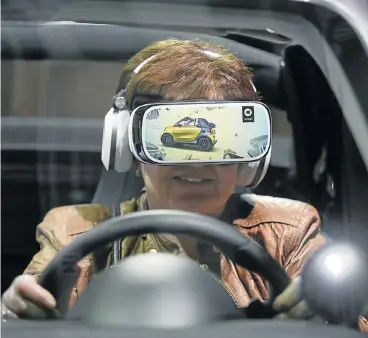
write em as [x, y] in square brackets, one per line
[62, 60]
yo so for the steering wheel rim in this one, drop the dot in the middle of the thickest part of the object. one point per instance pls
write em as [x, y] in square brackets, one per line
[61, 274]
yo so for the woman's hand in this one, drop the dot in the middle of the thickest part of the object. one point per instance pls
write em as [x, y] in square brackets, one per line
[290, 303]
[26, 297]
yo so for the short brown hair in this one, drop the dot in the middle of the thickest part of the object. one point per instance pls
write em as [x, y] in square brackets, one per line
[181, 71]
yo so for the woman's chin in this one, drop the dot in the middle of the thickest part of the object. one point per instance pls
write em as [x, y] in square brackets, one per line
[198, 206]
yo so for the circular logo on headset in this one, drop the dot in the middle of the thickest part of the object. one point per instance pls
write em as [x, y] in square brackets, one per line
[248, 113]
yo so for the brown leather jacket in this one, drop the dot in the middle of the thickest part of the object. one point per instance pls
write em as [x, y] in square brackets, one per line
[288, 230]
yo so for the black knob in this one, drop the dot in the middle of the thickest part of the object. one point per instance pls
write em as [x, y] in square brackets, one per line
[335, 283]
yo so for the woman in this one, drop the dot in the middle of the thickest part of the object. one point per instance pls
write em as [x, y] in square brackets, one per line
[288, 230]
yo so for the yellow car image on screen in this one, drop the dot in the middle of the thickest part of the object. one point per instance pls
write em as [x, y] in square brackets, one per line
[190, 131]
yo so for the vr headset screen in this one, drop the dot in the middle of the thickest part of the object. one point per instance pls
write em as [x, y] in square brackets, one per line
[178, 133]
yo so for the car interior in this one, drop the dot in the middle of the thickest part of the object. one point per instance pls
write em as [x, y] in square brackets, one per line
[55, 94]
[81, 167]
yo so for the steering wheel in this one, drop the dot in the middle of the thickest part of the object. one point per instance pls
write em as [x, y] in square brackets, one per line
[61, 274]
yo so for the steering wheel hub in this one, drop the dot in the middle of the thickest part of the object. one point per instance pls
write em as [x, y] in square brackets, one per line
[155, 290]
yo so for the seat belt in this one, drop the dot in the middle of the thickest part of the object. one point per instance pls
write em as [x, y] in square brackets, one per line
[116, 250]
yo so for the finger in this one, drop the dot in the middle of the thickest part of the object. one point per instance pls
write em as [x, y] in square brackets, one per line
[6, 313]
[13, 302]
[282, 316]
[34, 311]
[291, 296]
[300, 311]
[27, 287]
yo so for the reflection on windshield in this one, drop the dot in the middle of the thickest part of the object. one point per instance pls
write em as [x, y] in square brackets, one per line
[58, 88]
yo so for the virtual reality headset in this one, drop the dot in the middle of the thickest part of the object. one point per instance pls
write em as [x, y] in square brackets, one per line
[187, 133]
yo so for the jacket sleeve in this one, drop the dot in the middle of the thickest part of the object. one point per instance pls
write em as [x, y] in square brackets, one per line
[303, 242]
[59, 227]
[47, 233]
[41, 259]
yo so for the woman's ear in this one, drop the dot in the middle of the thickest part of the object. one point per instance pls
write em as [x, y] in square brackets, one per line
[137, 166]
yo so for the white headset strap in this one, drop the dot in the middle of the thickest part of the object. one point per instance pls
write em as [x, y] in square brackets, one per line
[212, 55]
[140, 66]
[216, 55]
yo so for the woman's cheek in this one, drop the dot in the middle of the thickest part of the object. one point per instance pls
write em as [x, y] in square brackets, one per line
[228, 175]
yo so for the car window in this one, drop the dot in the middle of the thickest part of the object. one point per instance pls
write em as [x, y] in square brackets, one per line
[189, 123]
[202, 123]
[38, 88]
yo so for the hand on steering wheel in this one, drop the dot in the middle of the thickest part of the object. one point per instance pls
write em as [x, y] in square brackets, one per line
[290, 302]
